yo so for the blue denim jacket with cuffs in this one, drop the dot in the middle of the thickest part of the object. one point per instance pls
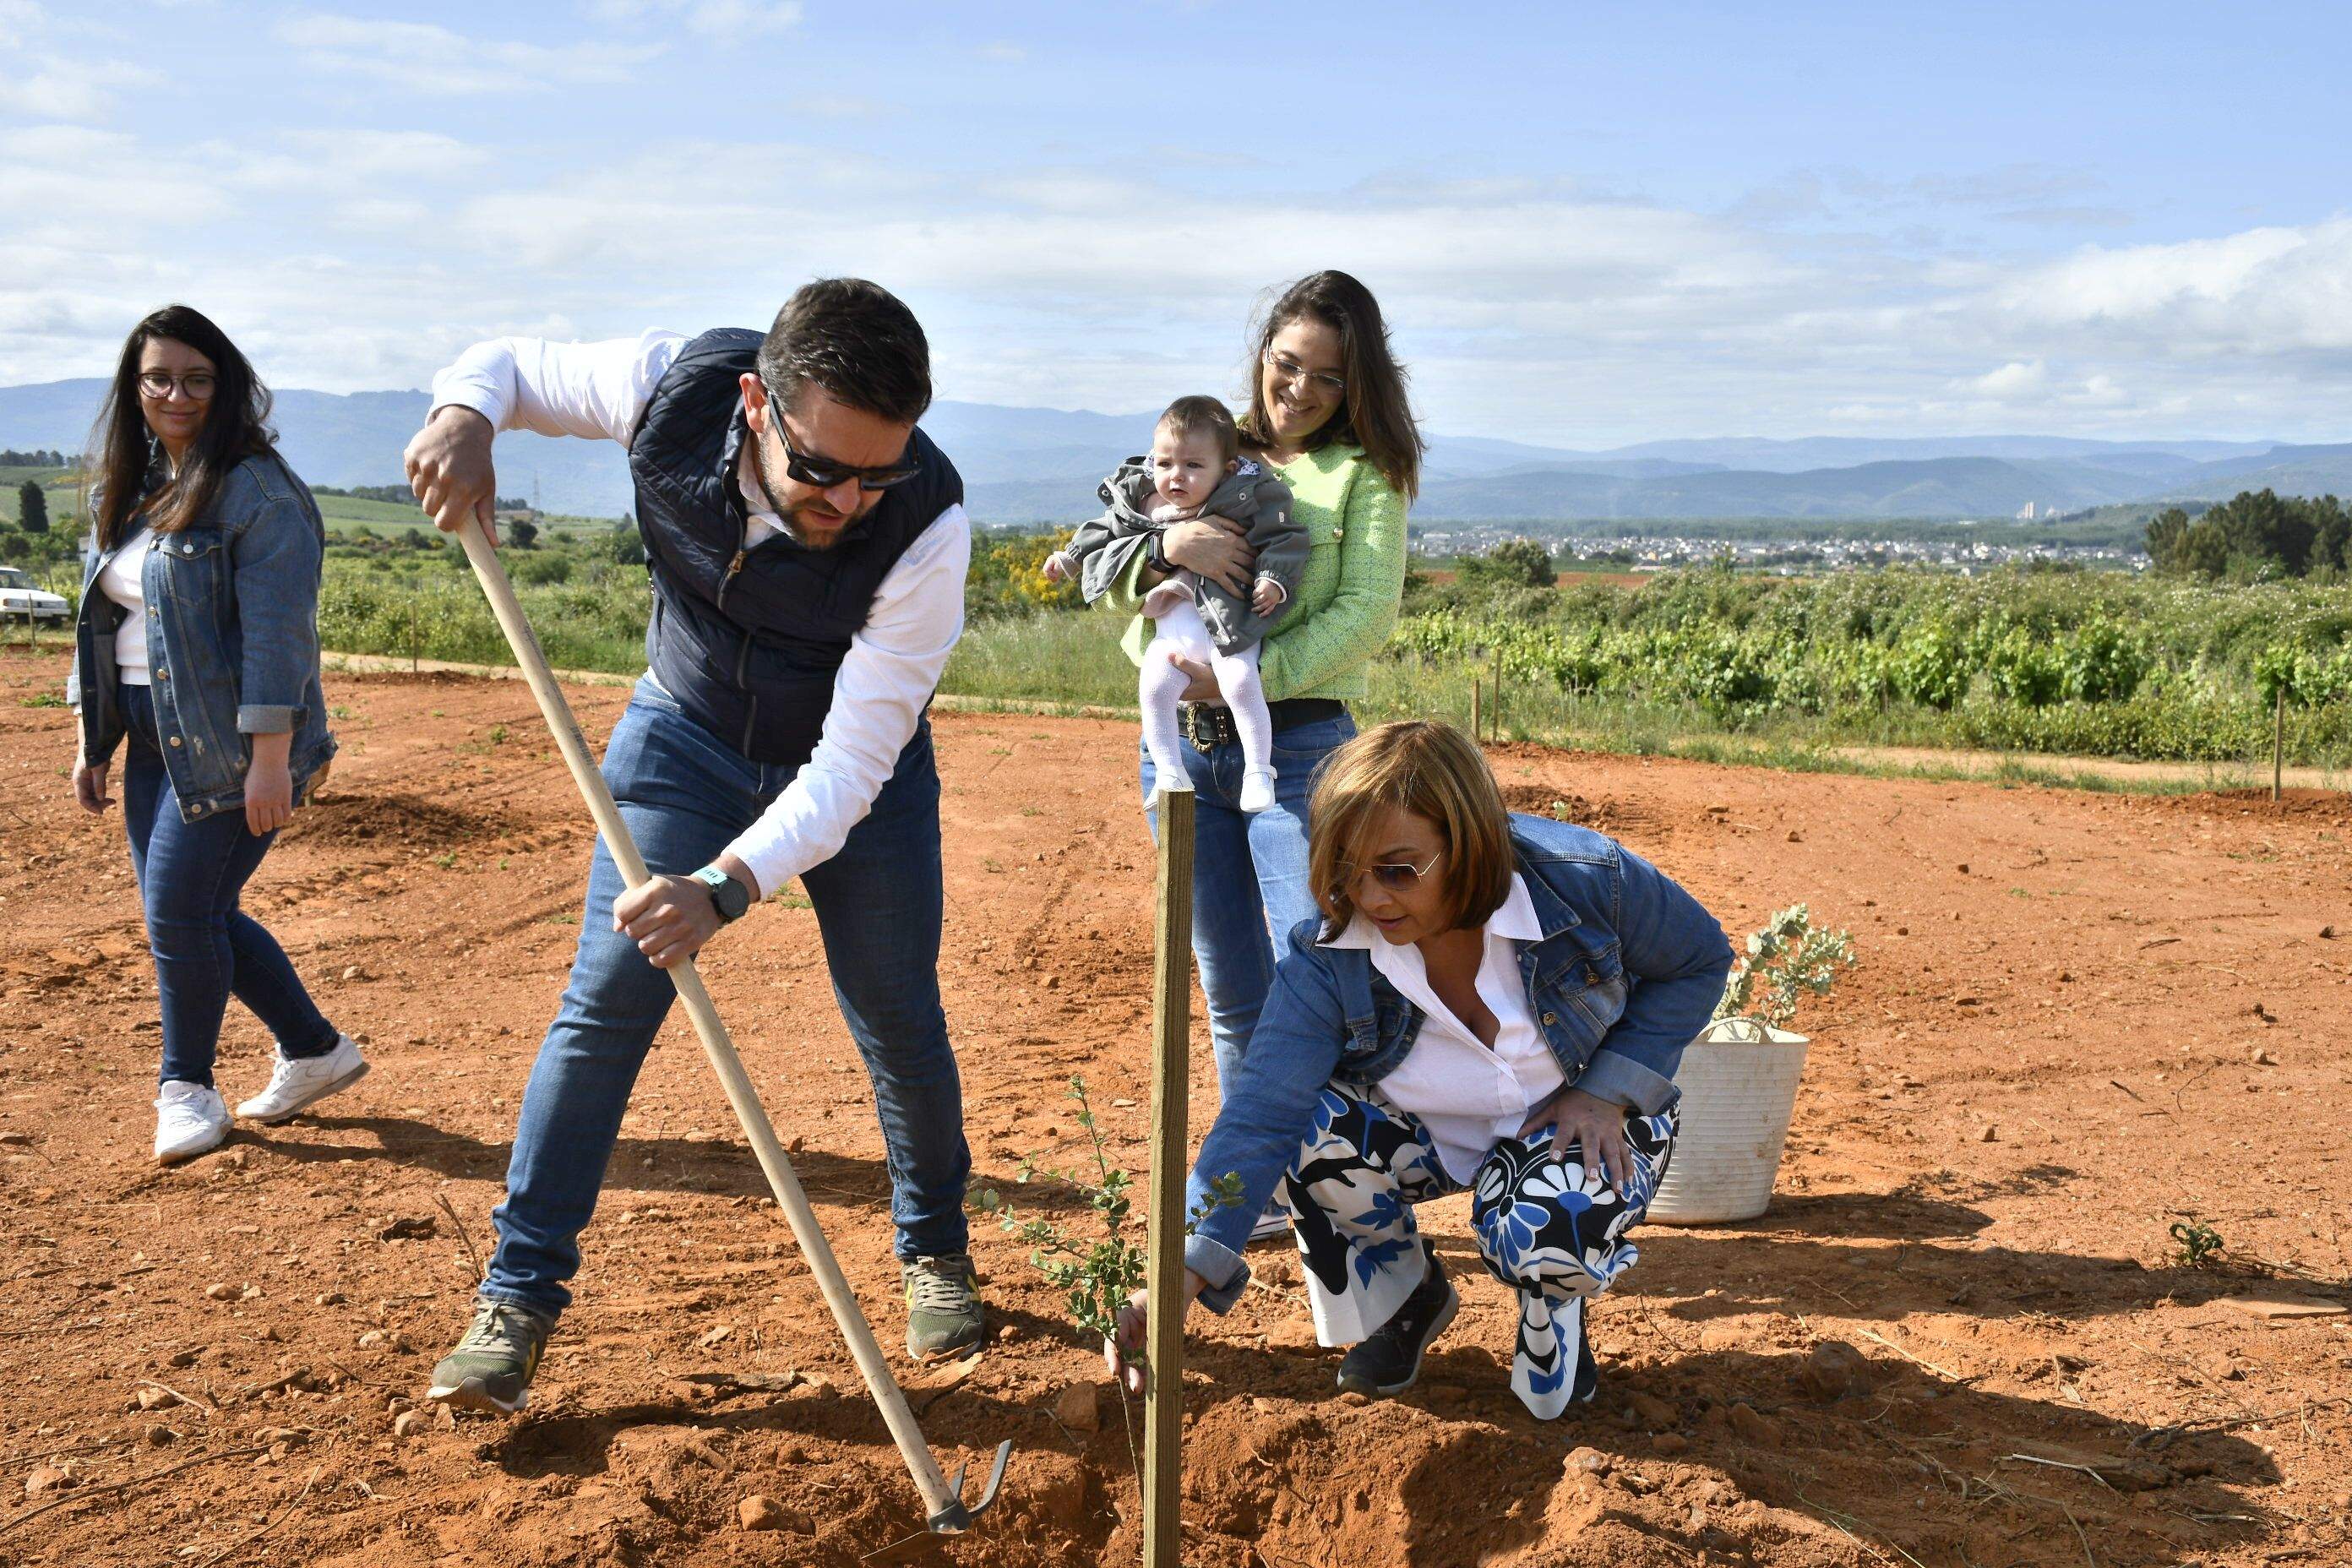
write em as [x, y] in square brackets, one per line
[232, 640]
[1628, 970]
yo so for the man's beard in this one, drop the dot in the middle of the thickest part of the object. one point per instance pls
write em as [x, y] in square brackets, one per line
[790, 516]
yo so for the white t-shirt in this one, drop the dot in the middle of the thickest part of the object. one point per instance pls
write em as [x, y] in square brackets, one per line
[1468, 1096]
[118, 580]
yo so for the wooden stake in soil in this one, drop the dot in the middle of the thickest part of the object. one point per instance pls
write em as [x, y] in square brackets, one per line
[2278, 745]
[947, 1513]
[1477, 705]
[1171, 997]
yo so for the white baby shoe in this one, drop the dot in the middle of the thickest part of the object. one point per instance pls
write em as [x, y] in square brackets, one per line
[1165, 784]
[1257, 790]
[189, 1120]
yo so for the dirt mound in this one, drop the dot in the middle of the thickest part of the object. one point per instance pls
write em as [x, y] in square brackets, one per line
[2319, 806]
[342, 818]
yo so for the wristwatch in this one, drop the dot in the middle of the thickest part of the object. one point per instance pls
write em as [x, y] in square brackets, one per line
[727, 896]
[1155, 552]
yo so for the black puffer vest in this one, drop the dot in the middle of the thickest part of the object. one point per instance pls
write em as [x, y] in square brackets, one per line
[748, 641]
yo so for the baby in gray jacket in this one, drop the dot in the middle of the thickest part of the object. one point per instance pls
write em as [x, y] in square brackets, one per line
[1195, 468]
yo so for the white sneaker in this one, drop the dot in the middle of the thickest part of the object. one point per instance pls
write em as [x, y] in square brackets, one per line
[189, 1120]
[298, 1081]
[1257, 790]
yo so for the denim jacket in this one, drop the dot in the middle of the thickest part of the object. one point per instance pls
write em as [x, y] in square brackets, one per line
[1627, 972]
[232, 640]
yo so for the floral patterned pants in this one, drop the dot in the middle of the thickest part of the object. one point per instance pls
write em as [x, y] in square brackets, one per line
[1548, 1226]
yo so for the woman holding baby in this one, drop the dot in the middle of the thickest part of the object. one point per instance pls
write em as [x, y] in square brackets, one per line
[1328, 414]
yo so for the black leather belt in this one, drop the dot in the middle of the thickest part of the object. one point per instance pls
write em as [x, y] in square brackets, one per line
[1208, 725]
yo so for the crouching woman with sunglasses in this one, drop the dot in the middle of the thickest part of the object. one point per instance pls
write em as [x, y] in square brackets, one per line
[1488, 1002]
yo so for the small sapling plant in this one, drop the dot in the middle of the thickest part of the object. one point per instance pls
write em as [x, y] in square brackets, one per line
[1787, 960]
[1096, 1274]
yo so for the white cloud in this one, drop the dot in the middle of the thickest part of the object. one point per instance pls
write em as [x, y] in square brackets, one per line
[18, 20]
[719, 19]
[1003, 53]
[332, 162]
[420, 57]
[69, 90]
[1534, 310]
[2015, 379]
[2266, 290]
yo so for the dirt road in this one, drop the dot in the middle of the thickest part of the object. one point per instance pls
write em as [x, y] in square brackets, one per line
[2079, 1020]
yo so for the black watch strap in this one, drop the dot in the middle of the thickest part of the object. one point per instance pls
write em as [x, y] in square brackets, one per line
[1156, 553]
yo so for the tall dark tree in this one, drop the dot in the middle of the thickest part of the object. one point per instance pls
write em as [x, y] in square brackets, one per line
[1515, 563]
[32, 507]
[2254, 534]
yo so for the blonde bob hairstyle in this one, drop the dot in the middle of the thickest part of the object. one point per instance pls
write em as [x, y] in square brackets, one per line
[1433, 770]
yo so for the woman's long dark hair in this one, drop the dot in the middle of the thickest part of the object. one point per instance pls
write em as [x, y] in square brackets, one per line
[1374, 414]
[122, 474]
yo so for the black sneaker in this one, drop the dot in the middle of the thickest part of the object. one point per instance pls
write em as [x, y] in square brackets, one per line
[493, 1363]
[1389, 1361]
[944, 1315]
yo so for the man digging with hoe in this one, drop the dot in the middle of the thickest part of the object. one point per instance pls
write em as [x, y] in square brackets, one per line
[807, 546]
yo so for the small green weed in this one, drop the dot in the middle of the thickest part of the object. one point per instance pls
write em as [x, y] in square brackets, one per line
[2199, 1243]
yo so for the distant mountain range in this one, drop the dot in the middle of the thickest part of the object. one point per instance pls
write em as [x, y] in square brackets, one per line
[1038, 465]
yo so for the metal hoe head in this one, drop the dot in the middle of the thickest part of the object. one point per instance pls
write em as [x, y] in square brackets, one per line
[955, 1518]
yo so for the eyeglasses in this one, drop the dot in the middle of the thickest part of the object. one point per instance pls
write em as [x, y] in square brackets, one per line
[825, 474]
[1291, 370]
[199, 385]
[1398, 876]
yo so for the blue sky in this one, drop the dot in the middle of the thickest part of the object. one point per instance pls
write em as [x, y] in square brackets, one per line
[1589, 225]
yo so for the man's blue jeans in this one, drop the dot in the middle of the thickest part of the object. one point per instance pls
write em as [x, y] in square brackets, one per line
[1249, 874]
[191, 876]
[686, 794]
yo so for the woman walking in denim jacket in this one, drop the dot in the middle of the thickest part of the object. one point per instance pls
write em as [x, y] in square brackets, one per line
[196, 647]
[1486, 1002]
[1327, 413]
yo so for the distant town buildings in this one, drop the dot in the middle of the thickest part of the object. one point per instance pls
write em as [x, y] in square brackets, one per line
[1660, 552]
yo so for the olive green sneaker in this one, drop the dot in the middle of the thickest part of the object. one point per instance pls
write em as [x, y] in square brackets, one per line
[944, 1315]
[493, 1364]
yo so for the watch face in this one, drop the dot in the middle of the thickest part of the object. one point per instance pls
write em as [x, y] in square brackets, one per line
[727, 896]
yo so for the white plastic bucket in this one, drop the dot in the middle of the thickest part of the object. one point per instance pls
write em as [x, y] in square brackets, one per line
[1739, 1088]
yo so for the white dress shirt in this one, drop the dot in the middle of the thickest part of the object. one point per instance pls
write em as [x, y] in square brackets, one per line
[600, 390]
[1468, 1094]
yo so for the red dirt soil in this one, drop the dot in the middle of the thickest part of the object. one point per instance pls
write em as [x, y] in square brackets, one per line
[1960, 1337]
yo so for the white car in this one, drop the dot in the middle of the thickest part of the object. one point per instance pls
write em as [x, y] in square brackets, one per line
[20, 599]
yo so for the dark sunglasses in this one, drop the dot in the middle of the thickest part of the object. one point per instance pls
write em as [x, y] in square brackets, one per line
[1398, 876]
[825, 474]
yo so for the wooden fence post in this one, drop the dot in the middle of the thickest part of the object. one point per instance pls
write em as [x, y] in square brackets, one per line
[1171, 1051]
[2278, 745]
[1477, 705]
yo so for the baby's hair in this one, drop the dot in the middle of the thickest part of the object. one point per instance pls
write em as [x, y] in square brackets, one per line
[1205, 418]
